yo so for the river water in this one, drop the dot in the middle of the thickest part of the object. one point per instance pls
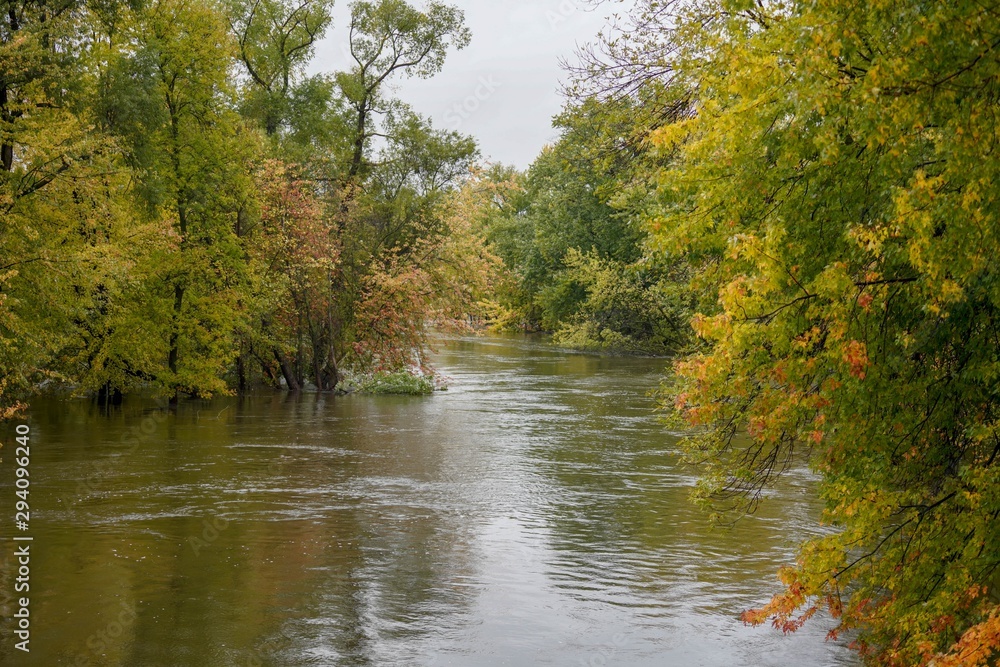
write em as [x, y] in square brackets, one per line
[533, 514]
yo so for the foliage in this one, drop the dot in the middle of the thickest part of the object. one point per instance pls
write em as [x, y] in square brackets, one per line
[45, 225]
[836, 188]
[570, 235]
[403, 383]
[469, 274]
[195, 147]
[628, 308]
[276, 40]
[295, 257]
[185, 209]
[361, 295]
[390, 37]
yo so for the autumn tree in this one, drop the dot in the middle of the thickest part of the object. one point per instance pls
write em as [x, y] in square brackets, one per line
[394, 230]
[447, 277]
[381, 171]
[49, 166]
[168, 100]
[836, 189]
[295, 259]
[184, 209]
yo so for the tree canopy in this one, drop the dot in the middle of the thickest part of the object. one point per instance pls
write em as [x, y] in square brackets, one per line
[834, 185]
[186, 209]
[812, 186]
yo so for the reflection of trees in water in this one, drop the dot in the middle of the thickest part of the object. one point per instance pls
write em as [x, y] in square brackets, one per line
[331, 538]
[538, 496]
[620, 518]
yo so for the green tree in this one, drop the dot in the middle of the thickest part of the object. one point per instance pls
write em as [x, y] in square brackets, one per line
[276, 40]
[47, 161]
[387, 38]
[146, 242]
[576, 246]
[836, 188]
[384, 205]
[172, 73]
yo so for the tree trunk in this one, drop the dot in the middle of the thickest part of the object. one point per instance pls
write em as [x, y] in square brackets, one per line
[172, 357]
[7, 147]
[241, 371]
[359, 141]
[331, 376]
[288, 371]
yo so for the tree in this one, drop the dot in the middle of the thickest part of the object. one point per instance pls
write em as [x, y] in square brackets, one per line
[182, 134]
[575, 244]
[276, 39]
[35, 42]
[836, 190]
[296, 259]
[383, 207]
[390, 37]
[145, 241]
[47, 158]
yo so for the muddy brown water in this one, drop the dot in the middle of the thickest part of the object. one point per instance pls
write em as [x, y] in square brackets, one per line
[534, 514]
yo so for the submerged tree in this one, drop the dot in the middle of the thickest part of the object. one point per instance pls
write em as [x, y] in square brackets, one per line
[50, 201]
[183, 208]
[378, 175]
[296, 258]
[194, 149]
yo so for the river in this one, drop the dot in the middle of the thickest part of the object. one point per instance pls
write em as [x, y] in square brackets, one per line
[536, 513]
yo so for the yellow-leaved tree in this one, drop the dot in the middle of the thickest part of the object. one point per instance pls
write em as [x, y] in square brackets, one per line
[836, 184]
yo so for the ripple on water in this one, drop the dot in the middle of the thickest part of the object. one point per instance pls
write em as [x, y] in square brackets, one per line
[535, 514]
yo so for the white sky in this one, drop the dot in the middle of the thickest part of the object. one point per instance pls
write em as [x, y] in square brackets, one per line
[503, 88]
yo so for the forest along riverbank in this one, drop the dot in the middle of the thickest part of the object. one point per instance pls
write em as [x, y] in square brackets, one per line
[535, 513]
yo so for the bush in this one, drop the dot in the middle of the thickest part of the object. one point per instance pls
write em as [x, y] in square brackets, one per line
[400, 382]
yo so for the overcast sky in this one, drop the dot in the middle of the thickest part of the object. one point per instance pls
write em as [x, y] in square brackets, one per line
[503, 88]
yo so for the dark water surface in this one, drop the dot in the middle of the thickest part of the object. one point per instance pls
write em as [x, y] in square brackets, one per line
[534, 514]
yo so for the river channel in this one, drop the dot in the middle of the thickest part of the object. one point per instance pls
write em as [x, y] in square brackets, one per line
[536, 513]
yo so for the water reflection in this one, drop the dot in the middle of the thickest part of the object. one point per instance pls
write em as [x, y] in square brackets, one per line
[535, 514]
